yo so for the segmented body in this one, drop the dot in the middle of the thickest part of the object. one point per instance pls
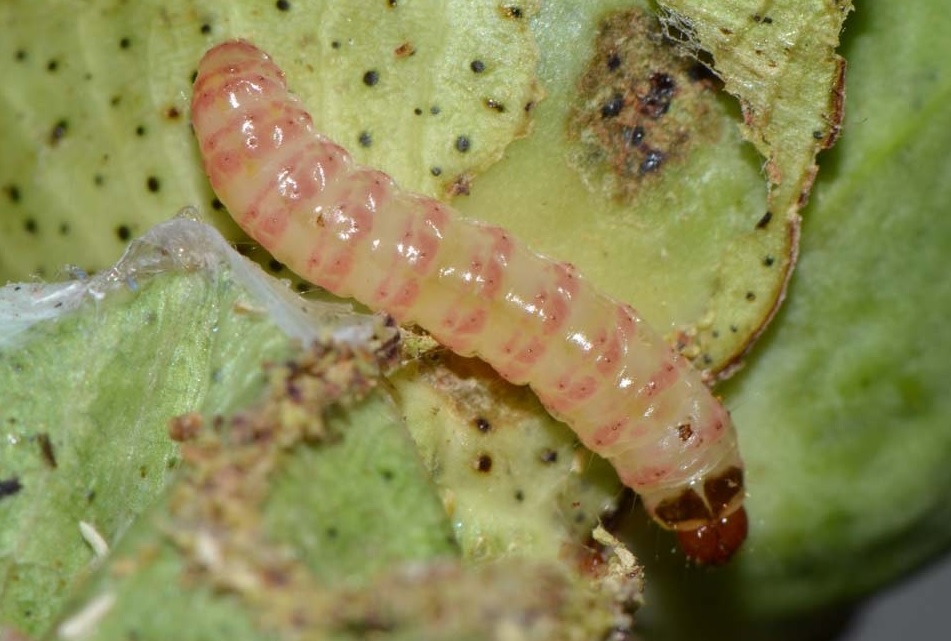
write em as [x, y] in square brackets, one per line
[590, 359]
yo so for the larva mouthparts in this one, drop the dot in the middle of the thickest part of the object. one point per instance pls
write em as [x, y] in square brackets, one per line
[592, 361]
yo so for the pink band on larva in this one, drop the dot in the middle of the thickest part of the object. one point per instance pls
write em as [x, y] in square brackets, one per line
[591, 360]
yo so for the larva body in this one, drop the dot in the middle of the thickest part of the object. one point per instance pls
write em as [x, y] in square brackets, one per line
[590, 359]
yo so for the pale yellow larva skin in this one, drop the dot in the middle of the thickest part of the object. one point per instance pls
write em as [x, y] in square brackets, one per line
[590, 359]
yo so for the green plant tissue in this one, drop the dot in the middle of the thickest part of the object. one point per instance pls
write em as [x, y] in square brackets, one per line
[92, 370]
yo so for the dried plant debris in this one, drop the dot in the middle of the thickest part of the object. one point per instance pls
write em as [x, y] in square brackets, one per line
[513, 480]
[221, 537]
[95, 117]
[217, 508]
[779, 59]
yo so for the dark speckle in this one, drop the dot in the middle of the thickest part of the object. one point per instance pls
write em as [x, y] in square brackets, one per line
[387, 474]
[750, 296]
[123, 232]
[275, 265]
[818, 135]
[98, 180]
[371, 78]
[483, 463]
[115, 100]
[434, 110]
[217, 204]
[332, 532]
[477, 66]
[391, 3]
[140, 130]
[46, 450]
[335, 44]
[13, 193]
[153, 184]
[494, 105]
[549, 456]
[519, 495]
[435, 171]
[768, 261]
[633, 136]
[20, 55]
[612, 107]
[405, 50]
[685, 431]
[205, 28]
[657, 101]
[512, 11]
[9, 487]
[764, 221]
[482, 424]
[125, 43]
[463, 144]
[30, 226]
[653, 159]
[52, 65]
[365, 139]
[58, 132]
[283, 5]
[172, 113]
[418, 111]
[64, 229]
[614, 62]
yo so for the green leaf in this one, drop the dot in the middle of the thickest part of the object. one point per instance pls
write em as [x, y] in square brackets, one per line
[99, 387]
[120, 364]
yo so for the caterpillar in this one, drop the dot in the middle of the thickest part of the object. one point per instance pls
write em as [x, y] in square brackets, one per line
[592, 361]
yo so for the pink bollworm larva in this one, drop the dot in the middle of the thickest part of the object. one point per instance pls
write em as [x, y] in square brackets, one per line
[592, 361]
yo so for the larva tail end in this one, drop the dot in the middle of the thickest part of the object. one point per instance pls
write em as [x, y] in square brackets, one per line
[715, 543]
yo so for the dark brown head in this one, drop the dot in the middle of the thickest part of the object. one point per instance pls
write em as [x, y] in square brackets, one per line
[710, 520]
